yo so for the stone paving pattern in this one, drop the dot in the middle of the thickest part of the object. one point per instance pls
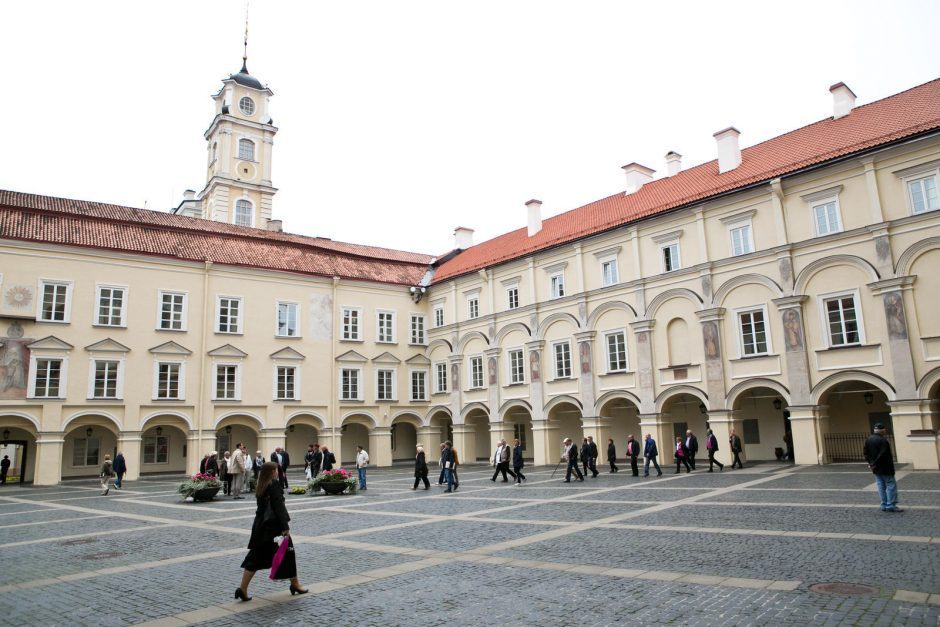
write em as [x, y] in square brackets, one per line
[736, 547]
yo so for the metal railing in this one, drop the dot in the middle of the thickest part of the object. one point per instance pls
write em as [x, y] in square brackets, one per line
[848, 447]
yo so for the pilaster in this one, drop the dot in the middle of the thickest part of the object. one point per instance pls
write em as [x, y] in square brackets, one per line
[48, 463]
[642, 330]
[892, 292]
[794, 346]
[807, 428]
[534, 352]
[720, 422]
[129, 444]
[544, 436]
[380, 446]
[585, 340]
[709, 320]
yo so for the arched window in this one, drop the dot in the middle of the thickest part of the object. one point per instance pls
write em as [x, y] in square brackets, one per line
[215, 150]
[246, 150]
[243, 212]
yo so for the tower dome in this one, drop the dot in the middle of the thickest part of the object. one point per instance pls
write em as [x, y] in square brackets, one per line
[246, 79]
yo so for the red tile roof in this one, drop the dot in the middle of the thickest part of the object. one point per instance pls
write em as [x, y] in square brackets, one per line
[903, 115]
[112, 227]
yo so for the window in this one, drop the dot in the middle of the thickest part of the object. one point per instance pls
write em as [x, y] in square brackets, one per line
[246, 150]
[616, 351]
[826, 218]
[670, 253]
[741, 241]
[609, 272]
[111, 301]
[562, 360]
[419, 385]
[85, 451]
[923, 193]
[54, 301]
[349, 384]
[516, 366]
[49, 377]
[105, 383]
[287, 319]
[753, 332]
[243, 212]
[385, 385]
[476, 372]
[226, 382]
[228, 315]
[172, 314]
[512, 297]
[842, 319]
[417, 329]
[557, 285]
[156, 449]
[386, 327]
[168, 381]
[351, 323]
[473, 307]
[286, 386]
[440, 384]
[751, 427]
[439, 316]
[246, 105]
[518, 432]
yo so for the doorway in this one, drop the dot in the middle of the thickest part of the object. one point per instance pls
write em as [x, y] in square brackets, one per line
[17, 452]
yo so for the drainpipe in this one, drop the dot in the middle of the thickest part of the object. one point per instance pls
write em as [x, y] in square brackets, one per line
[334, 383]
[206, 321]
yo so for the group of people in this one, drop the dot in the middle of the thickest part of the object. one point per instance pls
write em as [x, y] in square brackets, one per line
[112, 470]
[237, 471]
[447, 461]
[319, 459]
[501, 458]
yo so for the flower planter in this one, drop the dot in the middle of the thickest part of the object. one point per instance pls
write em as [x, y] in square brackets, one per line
[333, 488]
[206, 494]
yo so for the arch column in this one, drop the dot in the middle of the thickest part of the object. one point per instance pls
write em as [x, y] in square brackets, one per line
[710, 321]
[912, 433]
[430, 437]
[129, 443]
[807, 427]
[380, 446]
[465, 443]
[48, 463]
[271, 438]
[542, 452]
[598, 427]
[534, 355]
[455, 384]
[653, 423]
[892, 293]
[721, 422]
[644, 365]
[197, 447]
[585, 341]
[794, 345]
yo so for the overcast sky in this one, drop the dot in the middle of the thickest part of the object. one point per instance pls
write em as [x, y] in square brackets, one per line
[402, 120]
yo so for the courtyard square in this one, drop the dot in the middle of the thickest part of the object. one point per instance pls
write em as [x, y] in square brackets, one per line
[742, 547]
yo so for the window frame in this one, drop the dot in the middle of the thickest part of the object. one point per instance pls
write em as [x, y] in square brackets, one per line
[473, 307]
[180, 379]
[85, 463]
[34, 371]
[919, 173]
[556, 285]
[251, 103]
[473, 360]
[358, 383]
[66, 305]
[392, 385]
[823, 202]
[438, 368]
[512, 297]
[822, 299]
[511, 370]
[438, 316]
[607, 353]
[611, 262]
[237, 384]
[739, 327]
[555, 360]
[379, 337]
[418, 332]
[96, 317]
[748, 241]
[184, 313]
[156, 448]
[254, 151]
[251, 212]
[277, 319]
[677, 262]
[239, 330]
[346, 328]
[118, 379]
[294, 383]
[412, 372]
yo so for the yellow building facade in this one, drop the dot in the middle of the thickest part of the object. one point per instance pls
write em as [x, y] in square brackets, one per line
[776, 295]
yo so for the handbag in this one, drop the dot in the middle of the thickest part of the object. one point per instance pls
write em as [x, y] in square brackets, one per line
[279, 556]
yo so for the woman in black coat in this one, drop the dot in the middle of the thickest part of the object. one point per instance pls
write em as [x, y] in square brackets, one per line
[271, 521]
[517, 462]
[421, 469]
[612, 455]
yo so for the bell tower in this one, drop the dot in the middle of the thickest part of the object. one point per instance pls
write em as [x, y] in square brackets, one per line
[239, 140]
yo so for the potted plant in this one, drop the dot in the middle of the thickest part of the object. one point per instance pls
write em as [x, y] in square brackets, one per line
[201, 487]
[333, 482]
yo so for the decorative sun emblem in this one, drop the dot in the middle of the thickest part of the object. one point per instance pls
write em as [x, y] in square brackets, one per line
[19, 296]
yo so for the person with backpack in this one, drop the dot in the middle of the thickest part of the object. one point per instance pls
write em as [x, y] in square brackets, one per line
[107, 471]
[328, 459]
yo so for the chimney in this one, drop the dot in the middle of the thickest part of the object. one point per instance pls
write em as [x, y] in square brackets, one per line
[673, 163]
[276, 225]
[463, 237]
[637, 176]
[189, 195]
[535, 216]
[843, 100]
[188, 206]
[729, 153]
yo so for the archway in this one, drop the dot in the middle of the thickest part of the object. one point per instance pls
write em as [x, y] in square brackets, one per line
[235, 429]
[355, 431]
[685, 412]
[761, 419]
[478, 442]
[404, 437]
[518, 418]
[623, 416]
[18, 442]
[163, 448]
[302, 431]
[852, 408]
[564, 418]
[88, 439]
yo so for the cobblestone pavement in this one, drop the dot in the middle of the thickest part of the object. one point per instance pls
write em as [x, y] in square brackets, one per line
[744, 547]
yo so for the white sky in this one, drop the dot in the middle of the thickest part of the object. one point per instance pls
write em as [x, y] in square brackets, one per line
[402, 120]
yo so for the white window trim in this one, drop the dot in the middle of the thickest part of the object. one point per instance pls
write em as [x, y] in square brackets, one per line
[819, 203]
[378, 334]
[626, 351]
[277, 307]
[218, 314]
[909, 175]
[251, 206]
[411, 395]
[254, 139]
[119, 384]
[434, 316]
[824, 318]
[664, 243]
[551, 285]
[508, 288]
[342, 329]
[63, 377]
[739, 331]
[470, 385]
[437, 380]
[556, 376]
[254, 106]
[393, 384]
[124, 302]
[360, 391]
[424, 329]
[238, 380]
[509, 351]
[471, 301]
[737, 221]
[297, 379]
[185, 315]
[616, 265]
[69, 286]
[181, 395]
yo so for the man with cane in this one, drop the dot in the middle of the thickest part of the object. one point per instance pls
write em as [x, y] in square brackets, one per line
[571, 454]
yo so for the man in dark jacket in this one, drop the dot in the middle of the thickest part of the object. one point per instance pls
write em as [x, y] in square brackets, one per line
[447, 459]
[282, 459]
[592, 451]
[734, 441]
[120, 467]
[612, 455]
[691, 443]
[585, 455]
[711, 445]
[878, 455]
[633, 451]
[571, 456]
[650, 452]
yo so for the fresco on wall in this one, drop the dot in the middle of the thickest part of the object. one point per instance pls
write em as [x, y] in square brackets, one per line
[894, 313]
[14, 363]
[792, 330]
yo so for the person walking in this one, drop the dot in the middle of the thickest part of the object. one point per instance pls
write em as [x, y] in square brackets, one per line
[691, 443]
[238, 469]
[711, 445]
[682, 455]
[440, 462]
[612, 455]
[650, 452]
[594, 454]
[497, 455]
[504, 455]
[225, 474]
[456, 459]
[571, 456]
[585, 455]
[4, 469]
[271, 521]
[328, 458]
[282, 459]
[735, 442]
[308, 460]
[421, 469]
[517, 462]
[120, 468]
[362, 460]
[447, 458]
[212, 464]
[107, 471]
[633, 452]
[256, 465]
[877, 453]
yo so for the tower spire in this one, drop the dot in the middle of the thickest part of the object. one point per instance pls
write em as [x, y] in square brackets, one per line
[245, 50]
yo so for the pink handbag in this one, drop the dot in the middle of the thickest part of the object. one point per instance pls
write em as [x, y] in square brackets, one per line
[279, 556]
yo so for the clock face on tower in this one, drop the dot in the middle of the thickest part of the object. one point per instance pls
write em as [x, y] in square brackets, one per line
[246, 105]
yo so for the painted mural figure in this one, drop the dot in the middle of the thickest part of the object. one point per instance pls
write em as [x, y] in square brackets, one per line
[792, 331]
[710, 332]
[534, 365]
[894, 312]
[14, 357]
[585, 350]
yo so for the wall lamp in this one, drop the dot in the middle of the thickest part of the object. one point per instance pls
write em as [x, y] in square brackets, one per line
[6, 434]
[778, 403]
[159, 430]
[228, 429]
[417, 293]
[702, 408]
[869, 398]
